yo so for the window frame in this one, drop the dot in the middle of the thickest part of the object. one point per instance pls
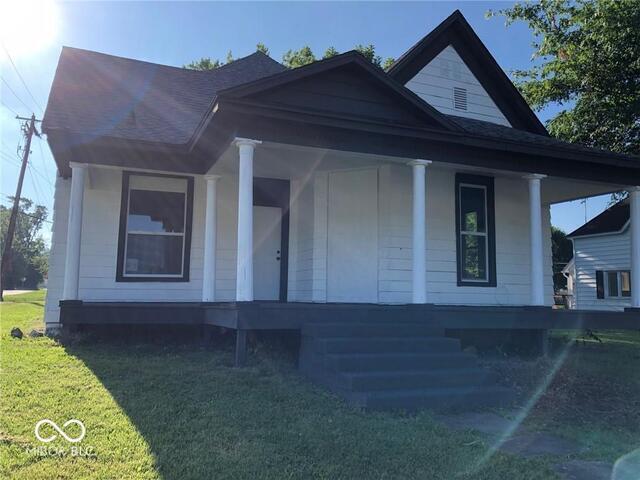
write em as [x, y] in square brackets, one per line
[487, 184]
[618, 274]
[123, 232]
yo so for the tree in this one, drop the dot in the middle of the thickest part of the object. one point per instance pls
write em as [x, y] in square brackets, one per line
[295, 58]
[587, 56]
[298, 58]
[330, 52]
[29, 253]
[389, 61]
[562, 253]
[205, 63]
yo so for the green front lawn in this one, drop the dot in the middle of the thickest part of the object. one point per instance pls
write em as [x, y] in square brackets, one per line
[181, 412]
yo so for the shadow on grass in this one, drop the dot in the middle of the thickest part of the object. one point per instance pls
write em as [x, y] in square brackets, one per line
[203, 418]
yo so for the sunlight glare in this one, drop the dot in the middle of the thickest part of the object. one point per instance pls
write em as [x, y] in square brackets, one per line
[28, 26]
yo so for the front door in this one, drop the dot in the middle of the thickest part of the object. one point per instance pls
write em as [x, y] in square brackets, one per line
[267, 254]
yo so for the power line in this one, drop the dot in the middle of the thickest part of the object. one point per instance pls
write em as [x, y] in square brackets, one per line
[9, 108]
[21, 79]
[15, 94]
[44, 168]
[28, 130]
[13, 161]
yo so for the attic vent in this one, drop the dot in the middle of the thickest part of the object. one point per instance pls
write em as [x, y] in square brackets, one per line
[459, 98]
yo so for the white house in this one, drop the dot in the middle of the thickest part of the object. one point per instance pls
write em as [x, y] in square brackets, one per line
[253, 196]
[602, 260]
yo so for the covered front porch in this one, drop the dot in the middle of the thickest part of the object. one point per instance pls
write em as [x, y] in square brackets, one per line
[278, 271]
[290, 223]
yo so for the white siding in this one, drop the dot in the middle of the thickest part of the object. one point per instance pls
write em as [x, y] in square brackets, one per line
[301, 242]
[57, 253]
[308, 243]
[512, 241]
[604, 252]
[436, 81]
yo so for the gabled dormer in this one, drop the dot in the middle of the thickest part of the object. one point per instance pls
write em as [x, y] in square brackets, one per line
[453, 71]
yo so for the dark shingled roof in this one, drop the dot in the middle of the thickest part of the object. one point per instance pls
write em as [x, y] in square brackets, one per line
[502, 132]
[102, 95]
[95, 95]
[613, 219]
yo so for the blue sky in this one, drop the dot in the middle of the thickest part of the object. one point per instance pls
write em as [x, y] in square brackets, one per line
[175, 33]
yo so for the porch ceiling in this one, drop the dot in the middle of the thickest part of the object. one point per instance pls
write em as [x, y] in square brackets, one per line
[277, 160]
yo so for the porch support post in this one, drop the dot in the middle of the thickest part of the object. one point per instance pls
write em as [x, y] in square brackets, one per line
[209, 273]
[535, 232]
[74, 232]
[419, 266]
[634, 194]
[244, 267]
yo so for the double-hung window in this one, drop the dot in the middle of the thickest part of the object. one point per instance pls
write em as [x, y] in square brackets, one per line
[475, 230]
[613, 283]
[155, 228]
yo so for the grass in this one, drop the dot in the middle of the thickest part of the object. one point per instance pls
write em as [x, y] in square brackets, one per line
[183, 412]
[593, 394]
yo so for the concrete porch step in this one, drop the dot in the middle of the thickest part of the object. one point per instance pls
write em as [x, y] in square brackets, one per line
[408, 344]
[469, 397]
[408, 379]
[365, 330]
[361, 362]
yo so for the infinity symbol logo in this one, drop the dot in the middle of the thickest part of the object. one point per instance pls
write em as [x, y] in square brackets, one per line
[59, 430]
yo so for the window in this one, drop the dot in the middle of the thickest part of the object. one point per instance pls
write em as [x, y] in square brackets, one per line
[155, 228]
[613, 284]
[475, 230]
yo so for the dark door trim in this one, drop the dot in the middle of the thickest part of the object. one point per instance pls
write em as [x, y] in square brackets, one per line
[273, 192]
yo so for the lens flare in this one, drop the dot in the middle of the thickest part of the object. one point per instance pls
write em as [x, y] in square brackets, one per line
[28, 26]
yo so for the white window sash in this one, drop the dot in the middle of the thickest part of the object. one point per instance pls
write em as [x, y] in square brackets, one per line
[142, 232]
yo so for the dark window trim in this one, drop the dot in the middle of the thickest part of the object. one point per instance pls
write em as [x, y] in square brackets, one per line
[124, 201]
[488, 183]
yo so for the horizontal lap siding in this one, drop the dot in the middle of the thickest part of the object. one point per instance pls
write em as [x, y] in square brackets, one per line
[512, 241]
[100, 227]
[55, 277]
[435, 82]
[301, 242]
[606, 252]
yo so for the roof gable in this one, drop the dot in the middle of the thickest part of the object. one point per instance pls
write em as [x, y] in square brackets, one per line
[456, 32]
[447, 84]
[346, 85]
[614, 219]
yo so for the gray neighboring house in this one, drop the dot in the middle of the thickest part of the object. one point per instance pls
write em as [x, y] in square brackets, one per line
[602, 258]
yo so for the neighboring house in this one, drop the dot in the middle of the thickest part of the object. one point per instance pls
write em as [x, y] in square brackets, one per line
[257, 197]
[602, 256]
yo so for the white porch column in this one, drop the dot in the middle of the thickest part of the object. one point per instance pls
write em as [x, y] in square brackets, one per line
[209, 273]
[419, 266]
[74, 232]
[244, 266]
[535, 232]
[634, 194]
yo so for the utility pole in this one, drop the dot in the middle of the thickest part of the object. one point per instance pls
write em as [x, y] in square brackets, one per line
[28, 129]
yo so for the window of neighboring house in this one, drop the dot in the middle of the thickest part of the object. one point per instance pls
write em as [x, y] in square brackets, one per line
[475, 230]
[155, 228]
[616, 284]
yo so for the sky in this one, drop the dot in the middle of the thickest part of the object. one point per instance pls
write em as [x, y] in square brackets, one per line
[175, 33]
